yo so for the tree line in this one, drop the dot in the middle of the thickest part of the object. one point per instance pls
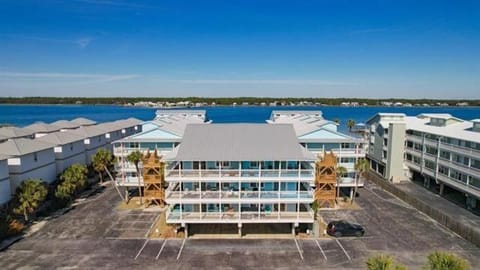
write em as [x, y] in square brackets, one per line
[224, 100]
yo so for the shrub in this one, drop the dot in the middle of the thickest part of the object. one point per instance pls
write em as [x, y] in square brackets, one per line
[383, 262]
[445, 261]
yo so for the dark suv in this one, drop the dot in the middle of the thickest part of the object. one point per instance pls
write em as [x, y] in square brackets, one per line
[344, 228]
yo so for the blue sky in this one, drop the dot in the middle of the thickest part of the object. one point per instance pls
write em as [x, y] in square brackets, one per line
[332, 48]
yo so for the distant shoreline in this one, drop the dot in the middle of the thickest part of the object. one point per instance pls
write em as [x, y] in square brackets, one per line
[195, 102]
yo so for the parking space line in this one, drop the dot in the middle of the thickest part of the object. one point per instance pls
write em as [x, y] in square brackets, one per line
[161, 249]
[181, 248]
[344, 251]
[321, 249]
[141, 249]
[298, 248]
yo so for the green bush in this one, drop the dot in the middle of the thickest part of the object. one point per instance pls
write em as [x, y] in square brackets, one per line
[383, 262]
[445, 261]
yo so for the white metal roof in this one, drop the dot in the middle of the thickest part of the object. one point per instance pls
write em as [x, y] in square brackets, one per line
[240, 142]
[460, 130]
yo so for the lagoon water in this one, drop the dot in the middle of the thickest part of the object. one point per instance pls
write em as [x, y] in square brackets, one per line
[22, 115]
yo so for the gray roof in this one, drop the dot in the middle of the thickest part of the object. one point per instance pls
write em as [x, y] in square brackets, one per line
[126, 123]
[64, 124]
[81, 121]
[240, 142]
[4, 157]
[60, 138]
[109, 126]
[87, 131]
[14, 132]
[19, 147]
[42, 127]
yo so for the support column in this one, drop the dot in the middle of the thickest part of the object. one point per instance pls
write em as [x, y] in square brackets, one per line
[293, 229]
[186, 230]
[442, 187]
[351, 193]
[240, 230]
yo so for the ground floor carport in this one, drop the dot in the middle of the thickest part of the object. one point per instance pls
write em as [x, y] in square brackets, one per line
[237, 230]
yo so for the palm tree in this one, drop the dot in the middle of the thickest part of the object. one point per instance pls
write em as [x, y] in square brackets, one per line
[350, 124]
[341, 171]
[30, 195]
[100, 161]
[361, 167]
[73, 179]
[135, 157]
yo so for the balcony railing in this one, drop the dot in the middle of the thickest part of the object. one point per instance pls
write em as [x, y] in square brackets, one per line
[254, 173]
[244, 216]
[243, 195]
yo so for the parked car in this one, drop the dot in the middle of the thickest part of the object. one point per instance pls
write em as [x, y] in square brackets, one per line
[343, 228]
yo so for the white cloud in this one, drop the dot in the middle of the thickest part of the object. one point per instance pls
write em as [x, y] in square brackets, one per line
[284, 82]
[66, 76]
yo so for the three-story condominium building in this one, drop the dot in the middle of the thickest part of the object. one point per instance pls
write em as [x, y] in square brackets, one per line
[438, 148]
[320, 136]
[239, 173]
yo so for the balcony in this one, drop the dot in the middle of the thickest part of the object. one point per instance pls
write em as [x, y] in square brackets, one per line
[239, 217]
[236, 196]
[239, 173]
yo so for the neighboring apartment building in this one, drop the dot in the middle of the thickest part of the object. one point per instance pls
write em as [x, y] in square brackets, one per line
[239, 174]
[438, 148]
[29, 158]
[69, 149]
[320, 136]
[5, 190]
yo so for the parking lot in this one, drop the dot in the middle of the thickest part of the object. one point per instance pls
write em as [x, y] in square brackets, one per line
[95, 235]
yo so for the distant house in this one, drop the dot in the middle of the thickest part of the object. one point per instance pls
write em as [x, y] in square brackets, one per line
[29, 159]
[69, 149]
[5, 190]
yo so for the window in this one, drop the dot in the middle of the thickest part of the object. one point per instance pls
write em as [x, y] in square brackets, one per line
[409, 144]
[385, 142]
[384, 154]
[99, 138]
[71, 147]
[224, 164]
[443, 170]
[445, 154]
[35, 157]
[253, 164]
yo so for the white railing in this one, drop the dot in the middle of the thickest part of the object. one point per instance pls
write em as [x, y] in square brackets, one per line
[256, 173]
[241, 195]
[235, 216]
